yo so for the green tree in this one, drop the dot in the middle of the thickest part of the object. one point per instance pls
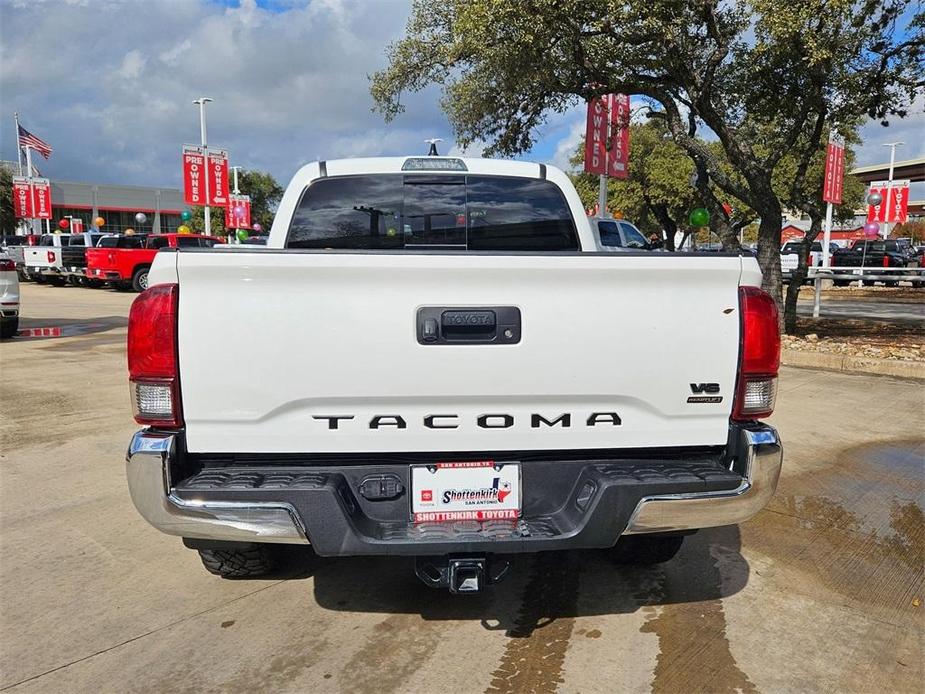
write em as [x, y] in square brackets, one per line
[658, 195]
[7, 216]
[768, 78]
[265, 194]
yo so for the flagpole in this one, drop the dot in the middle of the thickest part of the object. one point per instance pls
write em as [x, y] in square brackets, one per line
[31, 187]
[18, 148]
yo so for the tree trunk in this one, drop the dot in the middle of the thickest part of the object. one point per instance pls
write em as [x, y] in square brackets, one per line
[799, 275]
[719, 220]
[670, 227]
[769, 254]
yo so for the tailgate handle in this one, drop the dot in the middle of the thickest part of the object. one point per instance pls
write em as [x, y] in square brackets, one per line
[468, 326]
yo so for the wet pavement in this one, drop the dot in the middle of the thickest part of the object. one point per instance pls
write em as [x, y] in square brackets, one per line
[822, 591]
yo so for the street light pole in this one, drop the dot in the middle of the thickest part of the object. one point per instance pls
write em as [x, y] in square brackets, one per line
[889, 188]
[206, 212]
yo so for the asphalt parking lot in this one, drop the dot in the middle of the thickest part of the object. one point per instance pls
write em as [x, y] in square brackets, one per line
[822, 591]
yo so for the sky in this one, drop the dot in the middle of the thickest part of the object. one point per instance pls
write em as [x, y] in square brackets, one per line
[109, 84]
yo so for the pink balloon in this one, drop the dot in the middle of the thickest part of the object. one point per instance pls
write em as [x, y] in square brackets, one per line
[239, 211]
[257, 227]
[871, 229]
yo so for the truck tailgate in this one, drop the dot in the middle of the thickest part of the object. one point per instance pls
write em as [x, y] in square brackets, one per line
[272, 345]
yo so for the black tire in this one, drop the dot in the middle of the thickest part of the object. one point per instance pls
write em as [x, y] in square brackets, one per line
[56, 281]
[646, 549]
[94, 284]
[140, 279]
[121, 286]
[8, 328]
[74, 280]
[38, 279]
[255, 561]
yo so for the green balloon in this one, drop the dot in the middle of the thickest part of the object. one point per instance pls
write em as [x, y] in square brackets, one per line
[242, 235]
[185, 216]
[699, 217]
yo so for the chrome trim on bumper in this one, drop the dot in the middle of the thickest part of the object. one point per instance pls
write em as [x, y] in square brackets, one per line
[674, 512]
[147, 469]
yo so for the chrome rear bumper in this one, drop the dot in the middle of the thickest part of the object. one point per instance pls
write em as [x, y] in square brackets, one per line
[673, 512]
[758, 453]
[148, 475]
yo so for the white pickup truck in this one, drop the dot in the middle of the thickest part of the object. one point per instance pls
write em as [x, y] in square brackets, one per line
[448, 371]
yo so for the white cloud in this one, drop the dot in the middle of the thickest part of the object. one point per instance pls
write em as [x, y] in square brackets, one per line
[289, 85]
[565, 148]
[132, 65]
[910, 131]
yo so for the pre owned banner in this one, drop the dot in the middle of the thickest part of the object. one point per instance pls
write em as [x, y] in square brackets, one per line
[41, 196]
[218, 177]
[194, 174]
[607, 136]
[22, 197]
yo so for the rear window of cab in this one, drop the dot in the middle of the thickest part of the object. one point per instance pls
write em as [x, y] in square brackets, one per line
[427, 211]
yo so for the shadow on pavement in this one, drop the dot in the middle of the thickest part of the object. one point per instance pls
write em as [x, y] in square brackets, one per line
[540, 588]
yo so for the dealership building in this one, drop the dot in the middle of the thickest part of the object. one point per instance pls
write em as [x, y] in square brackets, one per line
[118, 205]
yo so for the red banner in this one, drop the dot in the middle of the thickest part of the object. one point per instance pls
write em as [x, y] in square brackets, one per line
[834, 172]
[22, 197]
[894, 207]
[218, 177]
[194, 173]
[607, 136]
[41, 198]
[238, 212]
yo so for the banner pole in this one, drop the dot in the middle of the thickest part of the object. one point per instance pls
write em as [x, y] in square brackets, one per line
[826, 238]
[602, 195]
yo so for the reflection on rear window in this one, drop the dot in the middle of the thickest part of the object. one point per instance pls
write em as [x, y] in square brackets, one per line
[454, 212]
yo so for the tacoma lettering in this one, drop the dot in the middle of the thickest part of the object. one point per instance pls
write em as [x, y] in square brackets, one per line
[495, 420]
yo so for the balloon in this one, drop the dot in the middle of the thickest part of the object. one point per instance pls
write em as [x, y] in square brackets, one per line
[185, 216]
[129, 232]
[699, 217]
[242, 234]
[183, 229]
[874, 198]
[99, 222]
[727, 208]
[871, 229]
[239, 211]
[141, 218]
[64, 224]
[257, 227]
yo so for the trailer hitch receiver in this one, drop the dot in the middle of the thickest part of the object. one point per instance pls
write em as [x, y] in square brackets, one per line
[461, 575]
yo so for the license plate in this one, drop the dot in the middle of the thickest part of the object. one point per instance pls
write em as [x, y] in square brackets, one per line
[480, 491]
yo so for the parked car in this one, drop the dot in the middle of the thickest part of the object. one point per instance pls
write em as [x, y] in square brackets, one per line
[60, 258]
[617, 235]
[874, 254]
[450, 371]
[789, 256]
[15, 249]
[125, 262]
[9, 297]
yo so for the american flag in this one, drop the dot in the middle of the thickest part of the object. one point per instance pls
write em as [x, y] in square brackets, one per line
[27, 139]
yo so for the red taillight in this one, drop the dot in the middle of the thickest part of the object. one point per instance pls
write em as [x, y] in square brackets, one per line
[7, 266]
[152, 357]
[886, 260]
[759, 358]
[51, 256]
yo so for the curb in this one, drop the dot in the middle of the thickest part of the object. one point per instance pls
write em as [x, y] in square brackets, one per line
[856, 365]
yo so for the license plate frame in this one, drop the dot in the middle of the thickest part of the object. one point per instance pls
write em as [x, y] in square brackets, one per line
[449, 492]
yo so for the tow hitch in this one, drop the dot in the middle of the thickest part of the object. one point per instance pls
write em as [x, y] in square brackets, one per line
[461, 574]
